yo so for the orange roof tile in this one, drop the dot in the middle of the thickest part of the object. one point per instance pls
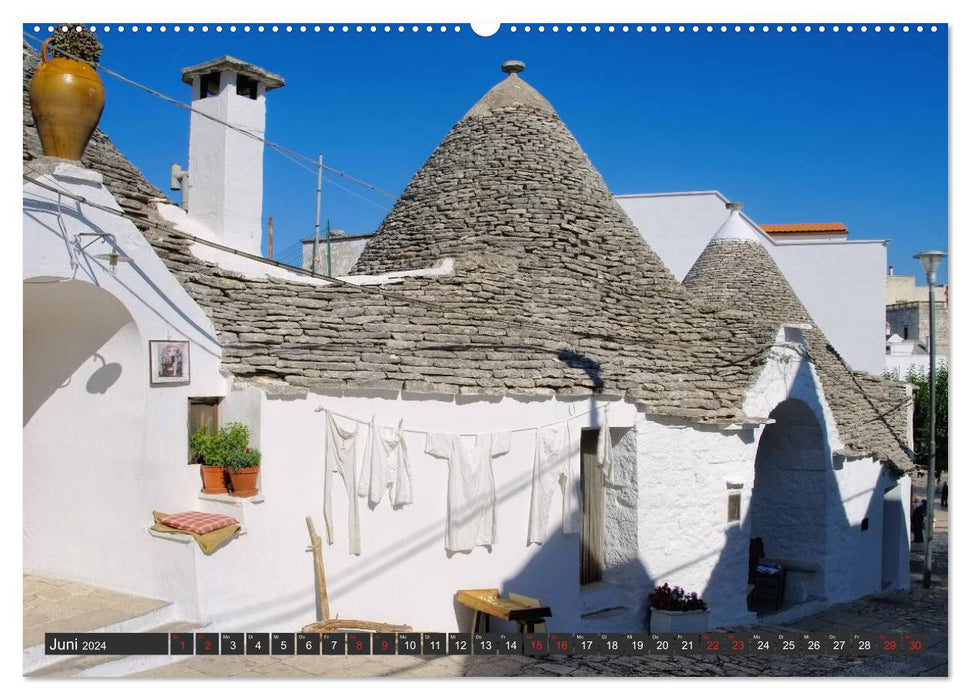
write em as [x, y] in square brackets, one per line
[805, 229]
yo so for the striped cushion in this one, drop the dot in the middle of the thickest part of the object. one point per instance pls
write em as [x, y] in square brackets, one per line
[199, 523]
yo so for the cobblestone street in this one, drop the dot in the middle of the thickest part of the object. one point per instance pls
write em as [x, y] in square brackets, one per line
[918, 610]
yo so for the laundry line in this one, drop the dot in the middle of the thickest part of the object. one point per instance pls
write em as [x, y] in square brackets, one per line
[417, 431]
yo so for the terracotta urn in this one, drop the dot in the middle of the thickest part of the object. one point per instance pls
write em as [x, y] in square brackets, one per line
[214, 479]
[66, 98]
[244, 481]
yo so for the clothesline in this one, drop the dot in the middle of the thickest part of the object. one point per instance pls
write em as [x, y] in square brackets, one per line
[425, 432]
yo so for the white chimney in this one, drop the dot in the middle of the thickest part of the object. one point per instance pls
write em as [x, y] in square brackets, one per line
[225, 183]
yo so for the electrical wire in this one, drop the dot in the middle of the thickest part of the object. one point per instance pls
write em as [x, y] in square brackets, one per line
[292, 154]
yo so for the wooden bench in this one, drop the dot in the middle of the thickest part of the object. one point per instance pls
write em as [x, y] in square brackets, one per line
[528, 614]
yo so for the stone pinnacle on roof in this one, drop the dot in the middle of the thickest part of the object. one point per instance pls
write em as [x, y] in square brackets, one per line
[510, 94]
[735, 227]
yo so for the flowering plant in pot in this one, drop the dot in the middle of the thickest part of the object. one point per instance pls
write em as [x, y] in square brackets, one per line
[66, 94]
[227, 458]
[674, 610]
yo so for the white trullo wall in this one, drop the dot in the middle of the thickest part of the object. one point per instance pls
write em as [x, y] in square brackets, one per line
[685, 539]
[84, 410]
[102, 447]
[403, 574]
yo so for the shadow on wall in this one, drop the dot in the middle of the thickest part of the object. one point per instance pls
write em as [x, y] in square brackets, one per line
[66, 324]
[799, 512]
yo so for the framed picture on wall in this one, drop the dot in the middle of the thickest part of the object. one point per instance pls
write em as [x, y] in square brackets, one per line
[169, 361]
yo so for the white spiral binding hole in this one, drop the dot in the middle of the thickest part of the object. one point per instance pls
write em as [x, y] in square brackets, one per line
[486, 30]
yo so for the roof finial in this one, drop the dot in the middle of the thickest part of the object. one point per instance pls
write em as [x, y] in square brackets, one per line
[513, 67]
[734, 206]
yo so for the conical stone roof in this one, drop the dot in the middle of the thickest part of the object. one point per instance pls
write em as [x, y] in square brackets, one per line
[735, 272]
[510, 180]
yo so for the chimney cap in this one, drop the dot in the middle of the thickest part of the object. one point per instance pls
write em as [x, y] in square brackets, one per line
[734, 206]
[513, 67]
[270, 80]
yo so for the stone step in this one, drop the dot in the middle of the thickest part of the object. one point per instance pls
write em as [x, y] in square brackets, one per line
[57, 605]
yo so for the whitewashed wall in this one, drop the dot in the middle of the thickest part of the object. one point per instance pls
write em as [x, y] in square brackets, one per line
[684, 535]
[102, 448]
[404, 574]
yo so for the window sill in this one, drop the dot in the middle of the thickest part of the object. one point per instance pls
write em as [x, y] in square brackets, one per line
[231, 500]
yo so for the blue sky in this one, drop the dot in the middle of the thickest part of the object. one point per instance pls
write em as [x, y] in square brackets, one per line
[804, 126]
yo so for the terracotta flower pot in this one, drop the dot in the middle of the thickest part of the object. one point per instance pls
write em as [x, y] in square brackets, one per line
[244, 481]
[66, 99]
[214, 479]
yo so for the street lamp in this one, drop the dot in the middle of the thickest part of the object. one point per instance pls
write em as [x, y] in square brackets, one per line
[931, 260]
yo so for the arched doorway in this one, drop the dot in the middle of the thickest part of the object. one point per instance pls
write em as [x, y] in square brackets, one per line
[789, 497]
[84, 413]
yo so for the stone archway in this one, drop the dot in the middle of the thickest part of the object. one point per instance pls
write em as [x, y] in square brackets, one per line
[85, 383]
[789, 497]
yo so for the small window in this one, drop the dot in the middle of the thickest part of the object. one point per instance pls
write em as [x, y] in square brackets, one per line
[865, 524]
[247, 87]
[208, 85]
[203, 413]
[906, 333]
[734, 507]
[592, 509]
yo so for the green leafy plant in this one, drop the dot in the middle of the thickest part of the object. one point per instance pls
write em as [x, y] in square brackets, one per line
[922, 423]
[227, 447]
[75, 41]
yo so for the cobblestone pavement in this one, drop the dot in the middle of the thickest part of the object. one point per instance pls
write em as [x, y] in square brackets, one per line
[919, 611]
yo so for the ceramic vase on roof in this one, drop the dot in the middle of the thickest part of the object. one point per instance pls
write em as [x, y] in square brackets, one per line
[66, 99]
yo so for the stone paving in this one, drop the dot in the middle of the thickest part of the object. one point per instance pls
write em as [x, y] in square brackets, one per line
[51, 604]
[918, 611]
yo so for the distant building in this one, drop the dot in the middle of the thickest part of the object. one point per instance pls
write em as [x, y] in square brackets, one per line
[839, 280]
[344, 252]
[908, 324]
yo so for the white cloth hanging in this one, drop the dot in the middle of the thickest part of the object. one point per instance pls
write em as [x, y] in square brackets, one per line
[555, 462]
[605, 448]
[386, 467]
[340, 455]
[471, 505]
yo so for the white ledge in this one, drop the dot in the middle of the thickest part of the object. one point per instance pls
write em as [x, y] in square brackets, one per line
[184, 537]
[231, 500]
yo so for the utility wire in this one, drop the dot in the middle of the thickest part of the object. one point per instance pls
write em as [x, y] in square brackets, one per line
[235, 251]
[276, 146]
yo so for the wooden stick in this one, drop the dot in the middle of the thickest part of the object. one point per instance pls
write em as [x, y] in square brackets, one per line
[323, 606]
[338, 625]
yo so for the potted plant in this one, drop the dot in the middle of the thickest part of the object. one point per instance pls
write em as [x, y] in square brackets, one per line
[673, 610]
[227, 458]
[66, 94]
